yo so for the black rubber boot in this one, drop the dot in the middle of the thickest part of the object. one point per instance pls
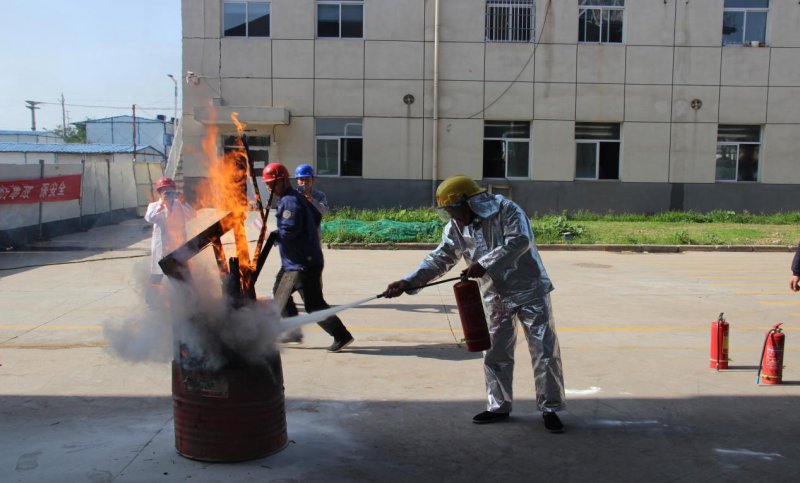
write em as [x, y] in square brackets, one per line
[340, 344]
[552, 422]
[487, 417]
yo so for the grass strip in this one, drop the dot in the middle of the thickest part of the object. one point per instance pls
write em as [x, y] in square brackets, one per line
[671, 228]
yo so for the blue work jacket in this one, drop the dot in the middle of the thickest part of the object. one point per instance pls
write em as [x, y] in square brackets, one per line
[298, 232]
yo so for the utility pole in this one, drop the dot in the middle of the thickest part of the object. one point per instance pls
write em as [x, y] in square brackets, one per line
[134, 132]
[63, 119]
[175, 117]
[32, 106]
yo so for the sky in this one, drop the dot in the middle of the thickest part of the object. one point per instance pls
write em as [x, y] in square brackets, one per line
[97, 52]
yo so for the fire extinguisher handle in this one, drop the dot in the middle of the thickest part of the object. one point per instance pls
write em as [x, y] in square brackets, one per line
[418, 287]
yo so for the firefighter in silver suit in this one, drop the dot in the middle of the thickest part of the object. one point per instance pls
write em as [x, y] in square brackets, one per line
[495, 238]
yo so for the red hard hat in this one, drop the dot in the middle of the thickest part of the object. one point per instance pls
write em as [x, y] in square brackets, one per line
[275, 171]
[165, 183]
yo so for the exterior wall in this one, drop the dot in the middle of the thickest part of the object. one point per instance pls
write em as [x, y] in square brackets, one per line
[34, 138]
[672, 55]
[104, 199]
[148, 156]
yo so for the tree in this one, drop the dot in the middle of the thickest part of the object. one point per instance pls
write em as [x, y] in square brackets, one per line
[74, 134]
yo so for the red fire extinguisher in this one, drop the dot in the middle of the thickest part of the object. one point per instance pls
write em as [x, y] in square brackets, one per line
[719, 343]
[473, 318]
[770, 367]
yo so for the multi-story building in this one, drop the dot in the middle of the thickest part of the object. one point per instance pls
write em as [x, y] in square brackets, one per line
[625, 105]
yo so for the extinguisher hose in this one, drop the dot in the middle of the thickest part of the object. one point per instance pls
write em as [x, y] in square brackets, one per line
[425, 285]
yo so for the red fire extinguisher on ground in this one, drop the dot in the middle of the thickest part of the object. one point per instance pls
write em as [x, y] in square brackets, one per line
[473, 317]
[719, 343]
[770, 367]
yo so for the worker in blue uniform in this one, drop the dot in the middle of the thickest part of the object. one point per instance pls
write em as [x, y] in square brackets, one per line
[298, 241]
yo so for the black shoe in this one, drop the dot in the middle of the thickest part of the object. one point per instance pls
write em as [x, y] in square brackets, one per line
[552, 422]
[487, 417]
[338, 345]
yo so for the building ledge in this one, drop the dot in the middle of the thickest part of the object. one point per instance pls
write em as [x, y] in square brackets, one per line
[221, 115]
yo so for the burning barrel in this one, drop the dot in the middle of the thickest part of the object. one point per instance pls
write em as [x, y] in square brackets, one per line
[231, 414]
[234, 411]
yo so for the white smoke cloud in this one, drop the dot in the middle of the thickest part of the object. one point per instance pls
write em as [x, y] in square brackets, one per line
[212, 333]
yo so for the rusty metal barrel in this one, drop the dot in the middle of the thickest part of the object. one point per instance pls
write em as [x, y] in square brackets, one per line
[232, 414]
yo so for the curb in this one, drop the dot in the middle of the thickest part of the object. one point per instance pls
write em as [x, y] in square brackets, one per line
[578, 247]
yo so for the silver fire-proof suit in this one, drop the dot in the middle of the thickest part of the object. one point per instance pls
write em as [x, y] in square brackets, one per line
[515, 290]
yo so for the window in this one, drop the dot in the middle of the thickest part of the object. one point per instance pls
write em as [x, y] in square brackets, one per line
[340, 19]
[601, 21]
[506, 149]
[510, 20]
[738, 150]
[246, 19]
[597, 147]
[744, 21]
[339, 147]
[259, 149]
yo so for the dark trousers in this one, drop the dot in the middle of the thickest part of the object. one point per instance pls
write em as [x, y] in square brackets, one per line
[309, 285]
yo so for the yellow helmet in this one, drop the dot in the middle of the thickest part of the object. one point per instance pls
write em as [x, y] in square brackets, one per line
[455, 189]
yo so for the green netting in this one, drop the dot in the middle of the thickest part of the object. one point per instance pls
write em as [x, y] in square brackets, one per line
[381, 231]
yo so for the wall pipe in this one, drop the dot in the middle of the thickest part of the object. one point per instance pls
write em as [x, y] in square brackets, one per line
[435, 158]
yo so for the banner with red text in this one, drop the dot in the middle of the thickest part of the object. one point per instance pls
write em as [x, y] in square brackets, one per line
[59, 188]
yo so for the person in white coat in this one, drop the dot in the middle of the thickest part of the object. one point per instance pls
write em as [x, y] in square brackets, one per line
[169, 216]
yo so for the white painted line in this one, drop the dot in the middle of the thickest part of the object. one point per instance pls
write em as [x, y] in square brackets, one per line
[613, 422]
[582, 392]
[747, 452]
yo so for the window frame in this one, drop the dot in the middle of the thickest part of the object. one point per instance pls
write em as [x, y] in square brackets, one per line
[506, 140]
[246, 20]
[584, 8]
[510, 5]
[760, 143]
[597, 156]
[338, 148]
[266, 148]
[744, 26]
[362, 3]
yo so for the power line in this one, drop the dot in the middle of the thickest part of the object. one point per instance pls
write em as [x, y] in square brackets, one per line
[157, 108]
[535, 47]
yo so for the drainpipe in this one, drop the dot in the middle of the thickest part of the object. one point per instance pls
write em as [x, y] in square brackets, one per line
[435, 158]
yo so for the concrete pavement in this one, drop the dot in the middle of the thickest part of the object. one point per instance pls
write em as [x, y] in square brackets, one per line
[642, 403]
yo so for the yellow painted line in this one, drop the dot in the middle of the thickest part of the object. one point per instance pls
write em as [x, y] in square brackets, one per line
[637, 348]
[457, 329]
[717, 267]
[779, 303]
[747, 284]
[521, 347]
[783, 292]
[379, 329]
[727, 271]
[562, 329]
[85, 327]
[738, 278]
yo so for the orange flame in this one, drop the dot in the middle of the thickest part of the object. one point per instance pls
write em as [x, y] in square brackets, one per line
[226, 186]
[239, 125]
